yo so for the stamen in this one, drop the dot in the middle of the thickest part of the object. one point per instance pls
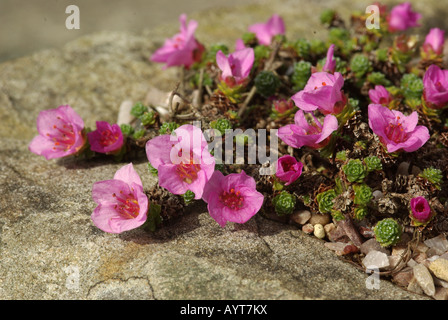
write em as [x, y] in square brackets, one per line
[63, 136]
[232, 199]
[127, 207]
[395, 132]
[188, 172]
[108, 138]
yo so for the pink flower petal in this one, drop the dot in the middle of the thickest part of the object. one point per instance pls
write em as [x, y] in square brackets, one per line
[329, 126]
[158, 150]
[265, 31]
[435, 39]
[322, 91]
[128, 174]
[63, 130]
[170, 180]
[263, 35]
[397, 131]
[232, 198]
[330, 62]
[239, 44]
[122, 204]
[102, 191]
[300, 100]
[179, 50]
[213, 185]
[410, 122]
[402, 17]
[44, 147]
[223, 64]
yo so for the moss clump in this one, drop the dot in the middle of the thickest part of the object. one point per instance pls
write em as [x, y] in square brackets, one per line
[267, 83]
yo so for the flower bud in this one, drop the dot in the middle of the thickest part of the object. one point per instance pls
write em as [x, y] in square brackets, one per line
[282, 105]
[434, 42]
[420, 209]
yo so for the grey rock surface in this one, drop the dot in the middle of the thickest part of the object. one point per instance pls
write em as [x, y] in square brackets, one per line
[49, 247]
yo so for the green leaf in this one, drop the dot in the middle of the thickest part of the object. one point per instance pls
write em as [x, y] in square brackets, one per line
[154, 218]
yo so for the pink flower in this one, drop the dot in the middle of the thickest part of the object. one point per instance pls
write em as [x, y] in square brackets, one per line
[323, 91]
[60, 133]
[434, 41]
[265, 31]
[182, 160]
[435, 87]
[420, 209]
[396, 131]
[330, 62]
[302, 133]
[181, 50]
[106, 138]
[288, 169]
[239, 44]
[122, 204]
[235, 68]
[402, 17]
[232, 198]
[380, 95]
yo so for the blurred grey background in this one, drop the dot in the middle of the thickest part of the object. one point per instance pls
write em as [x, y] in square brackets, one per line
[31, 25]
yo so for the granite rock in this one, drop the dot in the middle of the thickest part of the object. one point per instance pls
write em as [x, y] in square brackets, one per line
[301, 217]
[424, 279]
[375, 259]
[439, 268]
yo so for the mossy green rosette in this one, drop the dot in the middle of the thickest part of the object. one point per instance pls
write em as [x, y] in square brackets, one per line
[266, 83]
[363, 194]
[325, 200]
[373, 163]
[432, 175]
[354, 170]
[388, 232]
[284, 203]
